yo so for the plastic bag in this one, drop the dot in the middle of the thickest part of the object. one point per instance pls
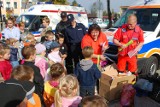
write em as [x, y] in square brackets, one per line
[127, 95]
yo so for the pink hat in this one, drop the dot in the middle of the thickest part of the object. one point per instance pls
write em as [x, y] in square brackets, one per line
[40, 48]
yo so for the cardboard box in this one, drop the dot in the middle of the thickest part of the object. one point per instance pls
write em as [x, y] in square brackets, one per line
[110, 70]
[111, 87]
[111, 84]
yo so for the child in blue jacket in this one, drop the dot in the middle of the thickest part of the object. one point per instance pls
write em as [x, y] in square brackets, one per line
[87, 73]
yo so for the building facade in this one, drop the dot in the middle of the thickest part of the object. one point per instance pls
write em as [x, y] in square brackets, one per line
[15, 7]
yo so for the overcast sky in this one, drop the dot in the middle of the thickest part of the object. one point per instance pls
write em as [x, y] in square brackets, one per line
[115, 4]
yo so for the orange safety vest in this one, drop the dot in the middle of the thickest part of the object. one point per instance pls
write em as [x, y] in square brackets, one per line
[125, 39]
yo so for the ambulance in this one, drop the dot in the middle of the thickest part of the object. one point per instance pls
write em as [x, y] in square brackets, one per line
[148, 15]
[34, 15]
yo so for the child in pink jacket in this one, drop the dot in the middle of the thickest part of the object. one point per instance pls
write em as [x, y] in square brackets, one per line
[41, 61]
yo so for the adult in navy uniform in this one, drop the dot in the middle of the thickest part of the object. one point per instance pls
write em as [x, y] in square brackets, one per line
[63, 24]
[73, 35]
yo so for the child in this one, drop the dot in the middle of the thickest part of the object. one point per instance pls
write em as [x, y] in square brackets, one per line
[87, 73]
[30, 40]
[54, 55]
[50, 37]
[23, 72]
[56, 72]
[63, 46]
[66, 95]
[14, 51]
[94, 101]
[29, 54]
[26, 73]
[46, 28]
[14, 93]
[41, 61]
[23, 31]
[5, 66]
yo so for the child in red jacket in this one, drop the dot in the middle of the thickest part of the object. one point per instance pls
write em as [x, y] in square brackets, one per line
[5, 66]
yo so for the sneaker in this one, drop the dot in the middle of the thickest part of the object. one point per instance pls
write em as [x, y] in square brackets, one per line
[121, 74]
[129, 73]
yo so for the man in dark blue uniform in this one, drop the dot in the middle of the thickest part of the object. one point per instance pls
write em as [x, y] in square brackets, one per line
[63, 24]
[73, 35]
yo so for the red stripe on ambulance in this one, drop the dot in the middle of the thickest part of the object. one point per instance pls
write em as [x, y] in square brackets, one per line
[70, 12]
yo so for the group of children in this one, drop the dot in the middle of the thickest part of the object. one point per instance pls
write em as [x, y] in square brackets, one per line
[43, 64]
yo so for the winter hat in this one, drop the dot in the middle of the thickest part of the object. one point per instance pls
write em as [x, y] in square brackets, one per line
[13, 92]
[40, 48]
[54, 45]
[30, 88]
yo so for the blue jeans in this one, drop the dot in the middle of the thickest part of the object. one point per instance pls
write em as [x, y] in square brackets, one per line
[14, 63]
[87, 91]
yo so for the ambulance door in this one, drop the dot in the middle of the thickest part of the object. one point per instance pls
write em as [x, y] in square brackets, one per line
[152, 63]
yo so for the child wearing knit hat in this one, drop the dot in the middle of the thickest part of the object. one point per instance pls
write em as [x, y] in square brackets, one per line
[41, 61]
[26, 73]
[55, 55]
[14, 93]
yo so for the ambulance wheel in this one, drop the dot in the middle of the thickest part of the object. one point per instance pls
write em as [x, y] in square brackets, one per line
[151, 66]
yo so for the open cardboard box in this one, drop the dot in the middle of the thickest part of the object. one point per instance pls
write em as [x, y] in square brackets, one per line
[111, 84]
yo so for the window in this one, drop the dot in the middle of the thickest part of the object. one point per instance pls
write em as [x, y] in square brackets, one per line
[158, 34]
[26, 18]
[8, 5]
[148, 19]
[37, 23]
[15, 5]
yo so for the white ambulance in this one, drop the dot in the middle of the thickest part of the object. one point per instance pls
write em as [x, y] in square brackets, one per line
[148, 15]
[33, 16]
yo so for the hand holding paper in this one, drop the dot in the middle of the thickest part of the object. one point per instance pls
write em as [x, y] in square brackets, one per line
[132, 53]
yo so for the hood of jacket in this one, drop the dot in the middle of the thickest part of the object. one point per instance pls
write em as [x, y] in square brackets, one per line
[86, 64]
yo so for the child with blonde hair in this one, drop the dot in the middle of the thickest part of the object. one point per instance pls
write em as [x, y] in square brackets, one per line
[49, 39]
[5, 66]
[11, 42]
[45, 23]
[56, 72]
[67, 94]
[29, 40]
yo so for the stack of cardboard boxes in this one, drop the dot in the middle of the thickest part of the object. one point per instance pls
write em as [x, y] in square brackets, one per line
[111, 83]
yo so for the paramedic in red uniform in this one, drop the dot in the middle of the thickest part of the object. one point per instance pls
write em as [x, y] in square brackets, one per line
[127, 32]
[97, 40]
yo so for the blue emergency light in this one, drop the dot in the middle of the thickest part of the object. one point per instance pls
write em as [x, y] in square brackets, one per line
[44, 3]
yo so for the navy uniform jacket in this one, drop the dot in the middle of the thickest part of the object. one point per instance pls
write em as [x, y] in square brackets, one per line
[75, 35]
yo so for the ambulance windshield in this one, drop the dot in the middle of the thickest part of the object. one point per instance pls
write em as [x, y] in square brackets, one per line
[27, 19]
[148, 18]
